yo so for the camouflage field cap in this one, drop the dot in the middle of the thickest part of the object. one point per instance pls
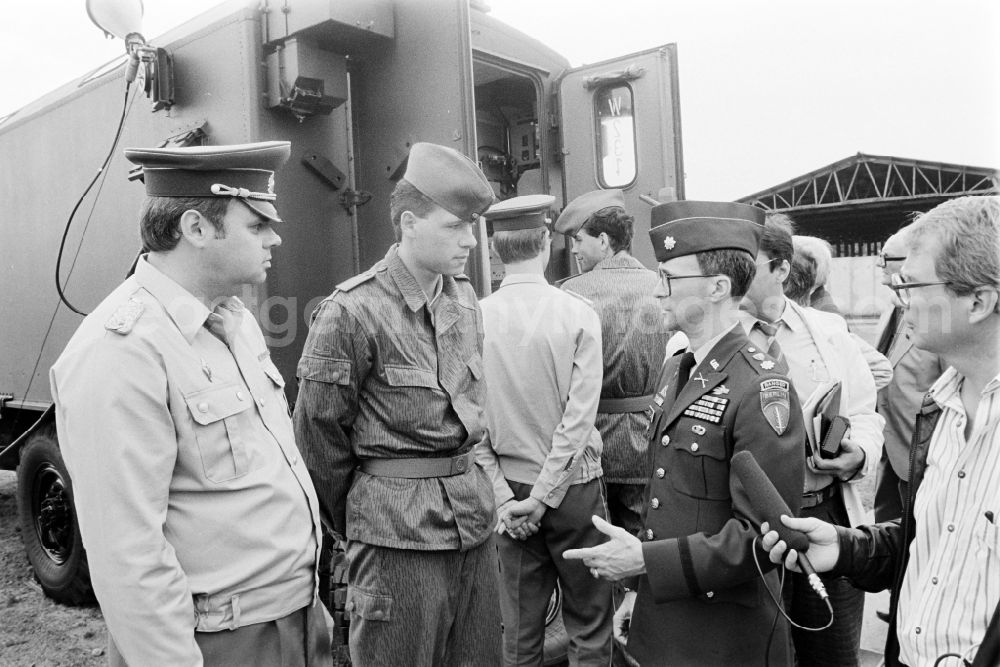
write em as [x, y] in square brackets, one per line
[578, 211]
[240, 171]
[682, 228]
[449, 179]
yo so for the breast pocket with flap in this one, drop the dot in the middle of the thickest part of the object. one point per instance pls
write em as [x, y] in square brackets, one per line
[219, 424]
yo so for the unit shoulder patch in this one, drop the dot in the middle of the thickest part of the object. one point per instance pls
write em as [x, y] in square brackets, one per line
[775, 403]
[123, 319]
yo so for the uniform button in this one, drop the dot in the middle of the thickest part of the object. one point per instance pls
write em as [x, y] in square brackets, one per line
[660, 472]
[934, 580]
[951, 528]
[239, 395]
[649, 533]
[665, 440]
[694, 446]
[710, 594]
[654, 503]
[377, 615]
[917, 629]
[961, 474]
[203, 407]
[295, 460]
[261, 402]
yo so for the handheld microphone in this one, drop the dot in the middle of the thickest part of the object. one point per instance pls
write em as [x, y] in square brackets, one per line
[766, 499]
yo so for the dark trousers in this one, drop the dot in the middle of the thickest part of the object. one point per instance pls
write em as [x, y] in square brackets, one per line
[890, 491]
[300, 639]
[839, 645]
[529, 570]
[625, 503]
[423, 608]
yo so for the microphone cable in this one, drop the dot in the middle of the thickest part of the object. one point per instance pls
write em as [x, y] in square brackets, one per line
[760, 571]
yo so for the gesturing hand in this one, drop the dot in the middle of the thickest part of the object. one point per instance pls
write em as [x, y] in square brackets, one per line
[619, 557]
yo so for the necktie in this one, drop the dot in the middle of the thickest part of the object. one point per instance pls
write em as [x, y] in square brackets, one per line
[683, 371]
[771, 345]
[889, 333]
[224, 321]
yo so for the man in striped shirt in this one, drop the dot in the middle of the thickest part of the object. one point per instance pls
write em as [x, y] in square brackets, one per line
[942, 559]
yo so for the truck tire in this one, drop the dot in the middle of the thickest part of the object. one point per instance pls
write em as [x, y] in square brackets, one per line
[49, 529]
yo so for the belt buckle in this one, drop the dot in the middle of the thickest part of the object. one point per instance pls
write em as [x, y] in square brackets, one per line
[459, 464]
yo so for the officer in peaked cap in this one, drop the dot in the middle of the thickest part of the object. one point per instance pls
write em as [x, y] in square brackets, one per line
[542, 355]
[634, 339]
[699, 596]
[389, 409]
[189, 435]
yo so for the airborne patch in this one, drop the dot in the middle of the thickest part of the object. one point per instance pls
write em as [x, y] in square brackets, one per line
[775, 404]
[708, 408]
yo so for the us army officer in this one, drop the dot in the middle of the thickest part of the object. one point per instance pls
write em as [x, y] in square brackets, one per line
[700, 599]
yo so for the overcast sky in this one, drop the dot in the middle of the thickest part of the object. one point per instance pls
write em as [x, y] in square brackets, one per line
[769, 89]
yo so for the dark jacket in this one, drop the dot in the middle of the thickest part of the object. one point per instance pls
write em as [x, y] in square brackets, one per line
[701, 600]
[875, 557]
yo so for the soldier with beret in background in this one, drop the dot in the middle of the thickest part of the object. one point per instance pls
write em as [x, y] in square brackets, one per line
[634, 340]
[700, 597]
[198, 515]
[542, 357]
[390, 407]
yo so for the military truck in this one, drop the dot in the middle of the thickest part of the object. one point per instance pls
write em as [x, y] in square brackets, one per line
[352, 84]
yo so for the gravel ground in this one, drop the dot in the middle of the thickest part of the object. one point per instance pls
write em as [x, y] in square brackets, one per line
[34, 630]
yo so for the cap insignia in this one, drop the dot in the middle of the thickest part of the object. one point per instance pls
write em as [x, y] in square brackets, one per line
[669, 242]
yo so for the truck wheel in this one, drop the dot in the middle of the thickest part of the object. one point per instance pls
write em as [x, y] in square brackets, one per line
[556, 639]
[48, 521]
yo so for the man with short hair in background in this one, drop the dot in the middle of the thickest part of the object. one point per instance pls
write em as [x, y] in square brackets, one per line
[914, 371]
[389, 409]
[634, 338]
[542, 358]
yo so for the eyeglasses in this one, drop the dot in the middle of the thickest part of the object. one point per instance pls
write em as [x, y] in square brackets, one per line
[902, 289]
[767, 261]
[665, 279]
[884, 259]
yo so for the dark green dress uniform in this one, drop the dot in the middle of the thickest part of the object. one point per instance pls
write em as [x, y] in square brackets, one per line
[701, 600]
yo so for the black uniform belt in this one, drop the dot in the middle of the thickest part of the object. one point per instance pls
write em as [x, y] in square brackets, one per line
[419, 468]
[814, 498]
[617, 406]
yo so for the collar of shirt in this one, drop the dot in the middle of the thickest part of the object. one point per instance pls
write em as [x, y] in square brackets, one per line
[946, 392]
[619, 260]
[408, 286]
[187, 312]
[790, 317]
[522, 278]
[702, 352]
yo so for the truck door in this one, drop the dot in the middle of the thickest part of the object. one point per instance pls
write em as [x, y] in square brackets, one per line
[620, 128]
[418, 87]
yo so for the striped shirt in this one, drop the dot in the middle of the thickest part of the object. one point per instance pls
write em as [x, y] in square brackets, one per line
[952, 583]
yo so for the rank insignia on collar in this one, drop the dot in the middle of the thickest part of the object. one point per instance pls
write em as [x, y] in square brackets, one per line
[714, 364]
[721, 390]
[206, 369]
[767, 365]
[669, 242]
[775, 403]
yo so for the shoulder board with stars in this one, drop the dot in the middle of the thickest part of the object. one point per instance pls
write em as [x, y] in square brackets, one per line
[757, 359]
[123, 319]
[708, 408]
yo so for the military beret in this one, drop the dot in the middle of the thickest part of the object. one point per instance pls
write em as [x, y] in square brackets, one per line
[241, 171]
[578, 211]
[449, 179]
[526, 212]
[682, 228]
